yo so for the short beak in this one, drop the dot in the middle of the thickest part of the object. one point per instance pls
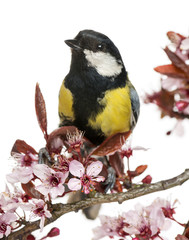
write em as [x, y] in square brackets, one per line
[73, 43]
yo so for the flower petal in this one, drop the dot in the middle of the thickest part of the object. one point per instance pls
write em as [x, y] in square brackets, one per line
[94, 168]
[21, 174]
[185, 44]
[42, 222]
[57, 191]
[43, 189]
[74, 184]
[42, 171]
[76, 168]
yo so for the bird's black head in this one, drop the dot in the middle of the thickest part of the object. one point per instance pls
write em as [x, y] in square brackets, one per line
[97, 51]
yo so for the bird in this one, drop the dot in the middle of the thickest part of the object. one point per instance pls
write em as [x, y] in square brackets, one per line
[96, 95]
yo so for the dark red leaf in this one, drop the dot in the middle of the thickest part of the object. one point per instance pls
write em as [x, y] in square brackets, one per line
[111, 144]
[186, 232]
[29, 189]
[61, 133]
[116, 161]
[132, 174]
[41, 110]
[138, 171]
[171, 71]
[21, 146]
[54, 232]
[163, 99]
[178, 62]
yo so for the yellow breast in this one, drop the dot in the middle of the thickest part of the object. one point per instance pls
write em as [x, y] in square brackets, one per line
[65, 104]
[117, 112]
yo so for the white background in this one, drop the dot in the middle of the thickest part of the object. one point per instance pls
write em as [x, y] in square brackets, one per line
[32, 49]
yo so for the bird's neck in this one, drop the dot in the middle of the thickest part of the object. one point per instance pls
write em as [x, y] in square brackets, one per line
[81, 76]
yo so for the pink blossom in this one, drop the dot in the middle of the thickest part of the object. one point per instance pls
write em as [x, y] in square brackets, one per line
[25, 160]
[127, 150]
[86, 178]
[143, 223]
[171, 84]
[5, 223]
[167, 208]
[39, 209]
[185, 44]
[10, 201]
[20, 174]
[140, 223]
[24, 171]
[110, 226]
[52, 182]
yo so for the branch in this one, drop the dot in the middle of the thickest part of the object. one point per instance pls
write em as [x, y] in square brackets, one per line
[60, 209]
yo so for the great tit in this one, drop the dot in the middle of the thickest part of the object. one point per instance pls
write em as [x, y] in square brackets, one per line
[96, 96]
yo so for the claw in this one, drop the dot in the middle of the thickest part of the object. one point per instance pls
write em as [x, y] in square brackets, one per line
[44, 157]
[110, 181]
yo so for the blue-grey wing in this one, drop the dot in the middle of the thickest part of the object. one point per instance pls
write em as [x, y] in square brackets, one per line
[135, 105]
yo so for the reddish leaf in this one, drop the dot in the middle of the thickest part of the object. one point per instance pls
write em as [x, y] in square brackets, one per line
[132, 174]
[186, 232]
[29, 189]
[117, 163]
[178, 62]
[175, 37]
[21, 146]
[140, 169]
[163, 99]
[111, 144]
[171, 71]
[41, 110]
[61, 133]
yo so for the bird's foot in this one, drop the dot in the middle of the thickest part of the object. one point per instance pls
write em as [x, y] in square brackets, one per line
[44, 157]
[111, 179]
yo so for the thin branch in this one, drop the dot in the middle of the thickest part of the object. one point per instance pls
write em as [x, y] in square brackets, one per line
[60, 209]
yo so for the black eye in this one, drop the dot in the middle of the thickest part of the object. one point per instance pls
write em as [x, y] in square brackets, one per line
[100, 46]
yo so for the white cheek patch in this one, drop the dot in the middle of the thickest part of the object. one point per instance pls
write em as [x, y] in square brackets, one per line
[104, 63]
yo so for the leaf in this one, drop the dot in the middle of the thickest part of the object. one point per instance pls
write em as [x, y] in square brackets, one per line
[138, 171]
[177, 61]
[186, 232]
[61, 133]
[175, 37]
[116, 161]
[29, 189]
[111, 144]
[41, 111]
[21, 146]
[171, 71]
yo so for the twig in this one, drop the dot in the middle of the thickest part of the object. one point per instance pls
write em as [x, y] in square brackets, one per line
[61, 209]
